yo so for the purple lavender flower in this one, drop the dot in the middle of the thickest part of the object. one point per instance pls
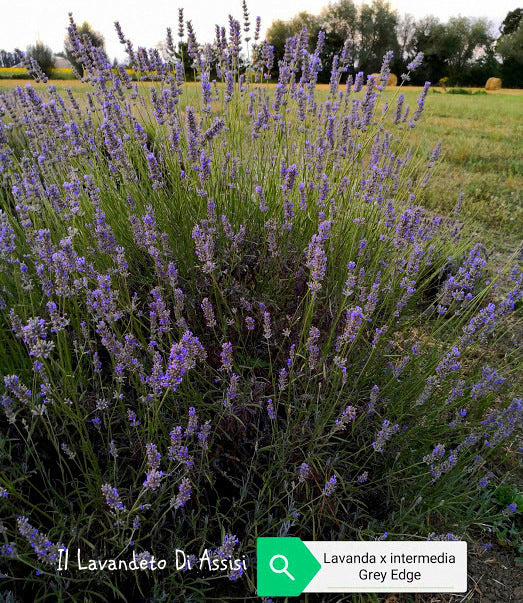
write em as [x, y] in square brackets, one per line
[351, 279]
[8, 550]
[45, 550]
[216, 127]
[182, 358]
[192, 423]
[305, 472]
[330, 486]
[312, 347]
[203, 435]
[206, 92]
[229, 86]
[354, 318]
[246, 23]
[317, 263]
[180, 23]
[445, 465]
[386, 432]
[17, 389]
[420, 104]
[226, 357]
[435, 455]
[208, 313]
[257, 29]
[226, 550]
[510, 509]
[154, 174]
[416, 62]
[133, 420]
[232, 389]
[399, 109]
[500, 424]
[490, 381]
[385, 68]
[112, 498]
[7, 238]
[184, 494]
[153, 456]
[159, 313]
[177, 451]
[234, 39]
[34, 334]
[203, 237]
[153, 479]
[362, 478]
[103, 301]
[345, 417]
[449, 363]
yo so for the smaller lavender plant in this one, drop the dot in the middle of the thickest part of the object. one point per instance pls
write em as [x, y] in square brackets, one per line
[112, 498]
[330, 486]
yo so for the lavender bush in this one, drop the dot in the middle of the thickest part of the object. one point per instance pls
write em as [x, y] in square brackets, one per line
[225, 315]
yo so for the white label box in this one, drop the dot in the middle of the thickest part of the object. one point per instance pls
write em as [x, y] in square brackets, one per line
[395, 566]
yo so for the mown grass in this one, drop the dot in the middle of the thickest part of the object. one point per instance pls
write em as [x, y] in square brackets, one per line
[481, 158]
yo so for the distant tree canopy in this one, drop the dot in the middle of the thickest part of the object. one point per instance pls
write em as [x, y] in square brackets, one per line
[511, 22]
[85, 31]
[510, 47]
[43, 55]
[464, 50]
[9, 59]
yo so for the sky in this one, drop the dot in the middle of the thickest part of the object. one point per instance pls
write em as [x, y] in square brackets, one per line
[24, 22]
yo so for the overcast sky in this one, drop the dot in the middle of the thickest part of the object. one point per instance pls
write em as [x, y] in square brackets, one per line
[144, 22]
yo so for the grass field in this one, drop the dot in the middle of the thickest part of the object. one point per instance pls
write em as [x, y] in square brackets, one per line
[481, 154]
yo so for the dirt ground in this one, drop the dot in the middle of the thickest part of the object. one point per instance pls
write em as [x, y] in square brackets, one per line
[493, 577]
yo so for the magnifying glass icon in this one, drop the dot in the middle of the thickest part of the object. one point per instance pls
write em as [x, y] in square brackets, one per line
[282, 570]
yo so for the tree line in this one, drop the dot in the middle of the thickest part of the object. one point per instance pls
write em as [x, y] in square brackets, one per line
[45, 57]
[463, 50]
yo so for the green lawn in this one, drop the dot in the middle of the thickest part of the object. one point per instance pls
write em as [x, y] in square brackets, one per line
[482, 157]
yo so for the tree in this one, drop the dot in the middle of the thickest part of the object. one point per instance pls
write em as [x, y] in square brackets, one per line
[377, 25]
[43, 55]
[463, 38]
[406, 31]
[9, 59]
[277, 33]
[88, 35]
[510, 47]
[460, 49]
[452, 49]
[482, 68]
[280, 30]
[339, 21]
[511, 22]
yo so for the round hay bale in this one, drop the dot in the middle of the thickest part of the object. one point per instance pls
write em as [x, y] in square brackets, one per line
[493, 83]
[393, 79]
